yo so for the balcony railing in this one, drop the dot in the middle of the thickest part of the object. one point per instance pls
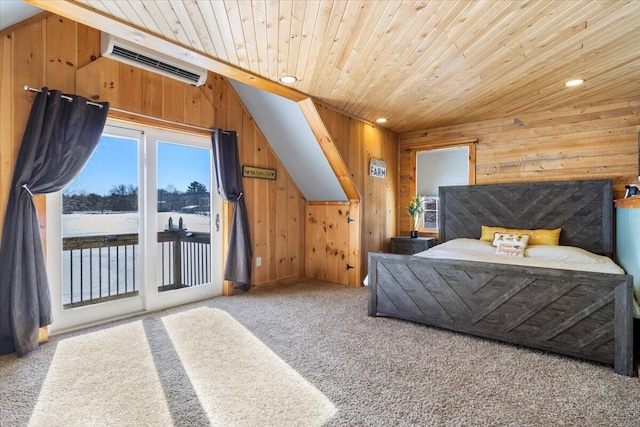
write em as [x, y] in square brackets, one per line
[102, 268]
[185, 259]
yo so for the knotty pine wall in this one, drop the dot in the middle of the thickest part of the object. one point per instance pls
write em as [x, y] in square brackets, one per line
[332, 236]
[48, 52]
[600, 142]
[358, 142]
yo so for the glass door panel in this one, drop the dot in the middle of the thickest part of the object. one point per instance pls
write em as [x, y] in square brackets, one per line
[184, 216]
[94, 230]
[134, 224]
[100, 226]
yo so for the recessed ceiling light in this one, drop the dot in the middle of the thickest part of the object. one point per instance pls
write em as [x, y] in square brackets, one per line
[381, 120]
[576, 82]
[288, 79]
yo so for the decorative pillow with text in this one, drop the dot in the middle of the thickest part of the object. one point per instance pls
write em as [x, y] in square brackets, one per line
[510, 244]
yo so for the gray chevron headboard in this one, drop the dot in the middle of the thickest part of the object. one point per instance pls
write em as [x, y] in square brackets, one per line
[583, 209]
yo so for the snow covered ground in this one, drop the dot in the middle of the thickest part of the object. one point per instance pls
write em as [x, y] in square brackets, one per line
[89, 224]
[109, 271]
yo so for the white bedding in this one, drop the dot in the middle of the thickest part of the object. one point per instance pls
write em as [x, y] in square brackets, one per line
[560, 257]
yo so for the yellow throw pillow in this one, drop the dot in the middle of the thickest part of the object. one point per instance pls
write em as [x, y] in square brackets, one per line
[536, 237]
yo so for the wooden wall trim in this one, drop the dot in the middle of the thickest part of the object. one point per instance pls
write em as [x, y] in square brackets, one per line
[410, 174]
[329, 148]
[125, 117]
[355, 256]
[418, 144]
[472, 164]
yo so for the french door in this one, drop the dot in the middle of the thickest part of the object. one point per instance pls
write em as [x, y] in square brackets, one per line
[137, 230]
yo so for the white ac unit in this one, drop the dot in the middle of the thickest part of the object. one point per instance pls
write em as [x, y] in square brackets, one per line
[133, 54]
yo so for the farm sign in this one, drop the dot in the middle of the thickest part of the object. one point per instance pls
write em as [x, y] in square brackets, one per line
[378, 168]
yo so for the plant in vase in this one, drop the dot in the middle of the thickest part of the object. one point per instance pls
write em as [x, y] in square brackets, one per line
[415, 210]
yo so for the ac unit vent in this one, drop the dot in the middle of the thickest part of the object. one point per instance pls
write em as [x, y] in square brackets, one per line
[139, 56]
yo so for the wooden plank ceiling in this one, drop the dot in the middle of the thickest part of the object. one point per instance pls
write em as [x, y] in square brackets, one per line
[421, 64]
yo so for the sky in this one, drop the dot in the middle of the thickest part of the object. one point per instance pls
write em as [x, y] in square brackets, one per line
[115, 161]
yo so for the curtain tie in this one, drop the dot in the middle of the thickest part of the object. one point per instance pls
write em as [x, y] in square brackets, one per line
[29, 191]
[238, 198]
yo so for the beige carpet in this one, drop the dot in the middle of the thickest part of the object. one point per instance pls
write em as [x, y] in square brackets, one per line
[238, 380]
[108, 378]
[377, 372]
[88, 386]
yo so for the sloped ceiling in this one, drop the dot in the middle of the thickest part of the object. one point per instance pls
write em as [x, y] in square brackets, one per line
[280, 120]
[14, 11]
[285, 127]
[421, 64]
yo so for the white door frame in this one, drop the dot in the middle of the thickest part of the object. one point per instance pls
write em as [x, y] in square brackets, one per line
[155, 300]
[148, 298]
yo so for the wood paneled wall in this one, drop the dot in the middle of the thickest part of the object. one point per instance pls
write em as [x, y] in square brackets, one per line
[133, 89]
[600, 142]
[276, 208]
[27, 59]
[332, 236]
[49, 52]
[358, 142]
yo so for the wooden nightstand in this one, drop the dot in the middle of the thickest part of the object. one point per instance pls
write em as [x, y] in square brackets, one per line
[409, 246]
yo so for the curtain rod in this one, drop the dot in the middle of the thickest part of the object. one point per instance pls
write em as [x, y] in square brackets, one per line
[26, 87]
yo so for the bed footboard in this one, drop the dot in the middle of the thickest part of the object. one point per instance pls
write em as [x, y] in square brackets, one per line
[580, 314]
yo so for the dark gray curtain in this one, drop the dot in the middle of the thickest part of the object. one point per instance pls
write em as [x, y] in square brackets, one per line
[229, 183]
[59, 139]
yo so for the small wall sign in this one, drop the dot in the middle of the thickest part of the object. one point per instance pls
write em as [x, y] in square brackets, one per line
[378, 168]
[254, 172]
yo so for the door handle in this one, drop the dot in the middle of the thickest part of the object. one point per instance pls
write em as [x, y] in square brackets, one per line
[217, 222]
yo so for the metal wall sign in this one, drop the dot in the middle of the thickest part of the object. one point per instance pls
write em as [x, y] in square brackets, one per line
[378, 168]
[262, 173]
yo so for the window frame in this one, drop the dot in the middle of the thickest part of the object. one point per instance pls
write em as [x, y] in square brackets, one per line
[471, 143]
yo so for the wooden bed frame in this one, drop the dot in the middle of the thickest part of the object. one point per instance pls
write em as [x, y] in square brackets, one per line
[581, 314]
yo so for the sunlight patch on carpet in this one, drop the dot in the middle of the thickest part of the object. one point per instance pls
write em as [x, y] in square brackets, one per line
[238, 379]
[104, 378]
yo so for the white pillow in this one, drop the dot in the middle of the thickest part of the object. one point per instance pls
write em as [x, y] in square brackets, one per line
[467, 245]
[510, 244]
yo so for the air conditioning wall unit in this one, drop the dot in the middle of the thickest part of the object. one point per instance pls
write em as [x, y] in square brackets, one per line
[139, 56]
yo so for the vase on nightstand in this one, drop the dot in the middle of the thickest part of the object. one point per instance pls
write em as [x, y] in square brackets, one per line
[415, 210]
